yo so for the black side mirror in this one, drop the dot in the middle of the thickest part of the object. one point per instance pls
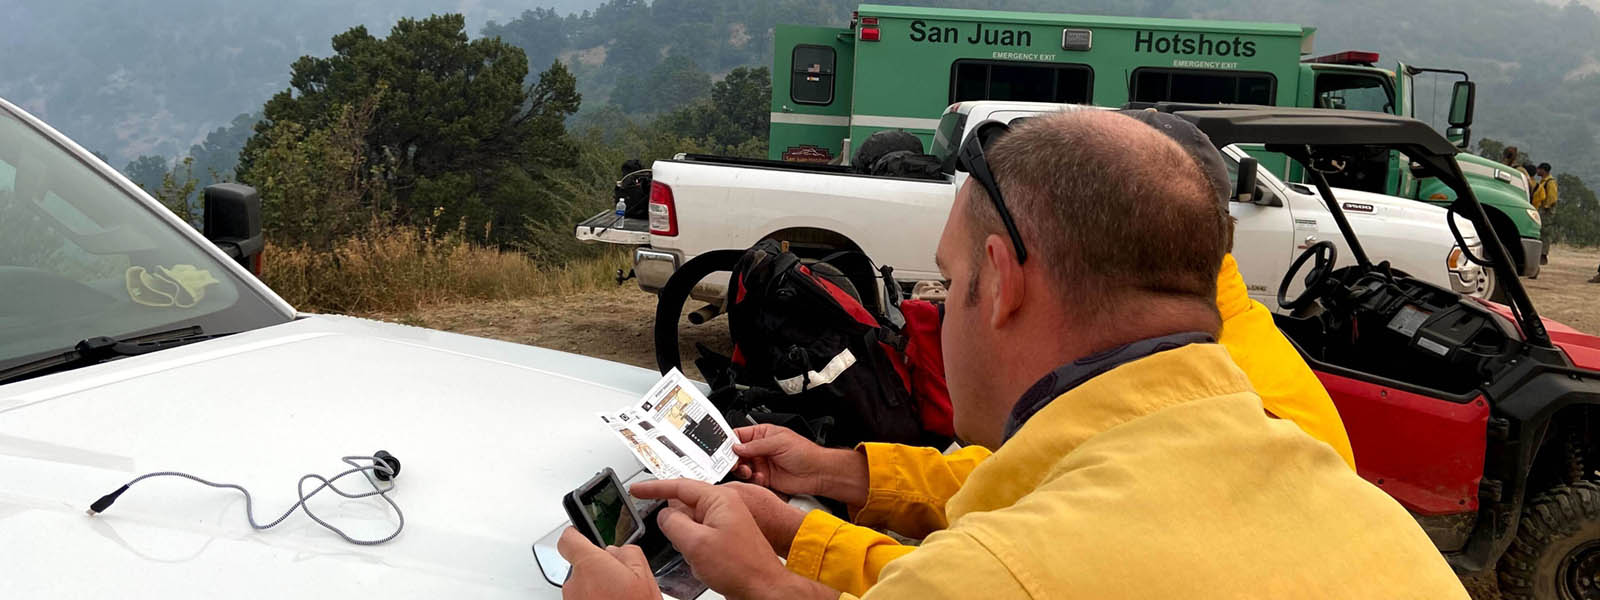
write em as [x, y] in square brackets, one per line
[1462, 98]
[1460, 136]
[1244, 189]
[232, 221]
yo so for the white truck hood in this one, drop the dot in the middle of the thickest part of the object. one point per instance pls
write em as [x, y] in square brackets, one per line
[489, 434]
[1358, 205]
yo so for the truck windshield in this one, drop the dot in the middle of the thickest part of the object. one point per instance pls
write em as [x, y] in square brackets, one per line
[1354, 91]
[80, 257]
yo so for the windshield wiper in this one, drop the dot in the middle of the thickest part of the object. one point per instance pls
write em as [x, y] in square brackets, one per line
[100, 349]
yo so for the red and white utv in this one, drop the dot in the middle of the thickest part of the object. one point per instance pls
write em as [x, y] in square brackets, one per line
[1480, 418]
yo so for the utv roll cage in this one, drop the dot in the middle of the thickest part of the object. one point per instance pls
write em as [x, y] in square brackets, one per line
[1541, 400]
[1315, 137]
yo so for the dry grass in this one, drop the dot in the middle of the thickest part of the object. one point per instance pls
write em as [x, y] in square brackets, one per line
[401, 269]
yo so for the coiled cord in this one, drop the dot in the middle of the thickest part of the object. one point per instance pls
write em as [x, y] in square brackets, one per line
[384, 467]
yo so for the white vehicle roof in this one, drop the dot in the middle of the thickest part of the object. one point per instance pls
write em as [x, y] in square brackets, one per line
[1394, 205]
[971, 106]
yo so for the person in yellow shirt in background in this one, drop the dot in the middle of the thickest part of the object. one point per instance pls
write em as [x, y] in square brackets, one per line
[1133, 459]
[1543, 195]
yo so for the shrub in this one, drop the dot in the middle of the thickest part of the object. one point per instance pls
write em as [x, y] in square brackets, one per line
[391, 269]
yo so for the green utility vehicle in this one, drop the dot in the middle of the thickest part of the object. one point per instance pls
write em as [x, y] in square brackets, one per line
[898, 67]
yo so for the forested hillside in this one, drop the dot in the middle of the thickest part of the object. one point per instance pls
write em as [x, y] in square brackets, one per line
[1538, 65]
[131, 79]
[152, 77]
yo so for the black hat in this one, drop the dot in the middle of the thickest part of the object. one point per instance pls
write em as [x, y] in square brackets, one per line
[1196, 143]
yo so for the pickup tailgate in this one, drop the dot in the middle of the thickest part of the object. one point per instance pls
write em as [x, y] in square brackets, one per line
[609, 228]
[716, 206]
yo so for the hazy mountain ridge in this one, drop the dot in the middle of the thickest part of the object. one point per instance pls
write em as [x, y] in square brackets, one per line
[1537, 65]
[130, 80]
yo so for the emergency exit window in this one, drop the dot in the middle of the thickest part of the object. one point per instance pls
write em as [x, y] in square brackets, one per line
[1203, 86]
[1022, 81]
[811, 81]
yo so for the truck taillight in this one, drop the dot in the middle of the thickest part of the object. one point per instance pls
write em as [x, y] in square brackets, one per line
[869, 34]
[255, 263]
[663, 211]
[1348, 57]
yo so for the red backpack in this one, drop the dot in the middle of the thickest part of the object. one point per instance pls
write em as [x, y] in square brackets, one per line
[813, 353]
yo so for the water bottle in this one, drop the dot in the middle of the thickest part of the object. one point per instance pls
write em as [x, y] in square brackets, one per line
[622, 208]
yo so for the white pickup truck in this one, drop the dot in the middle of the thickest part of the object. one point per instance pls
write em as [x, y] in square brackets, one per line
[704, 203]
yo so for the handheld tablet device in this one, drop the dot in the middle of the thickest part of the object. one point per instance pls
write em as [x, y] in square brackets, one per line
[603, 512]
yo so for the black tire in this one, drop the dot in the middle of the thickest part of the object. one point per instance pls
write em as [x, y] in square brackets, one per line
[1556, 555]
[670, 300]
[1495, 291]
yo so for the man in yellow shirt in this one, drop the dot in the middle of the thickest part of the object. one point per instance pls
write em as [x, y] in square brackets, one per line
[1544, 197]
[1133, 457]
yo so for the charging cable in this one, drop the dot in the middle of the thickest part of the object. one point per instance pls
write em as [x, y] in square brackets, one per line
[383, 467]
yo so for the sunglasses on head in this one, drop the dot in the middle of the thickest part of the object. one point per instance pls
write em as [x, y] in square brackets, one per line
[970, 160]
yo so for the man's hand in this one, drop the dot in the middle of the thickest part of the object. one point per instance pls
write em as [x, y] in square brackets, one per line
[778, 521]
[712, 528]
[609, 572]
[778, 458]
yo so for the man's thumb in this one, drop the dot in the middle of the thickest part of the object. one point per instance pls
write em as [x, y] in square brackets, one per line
[632, 557]
[760, 447]
[678, 526]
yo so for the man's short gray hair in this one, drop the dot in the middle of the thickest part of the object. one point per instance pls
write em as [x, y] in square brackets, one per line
[1114, 209]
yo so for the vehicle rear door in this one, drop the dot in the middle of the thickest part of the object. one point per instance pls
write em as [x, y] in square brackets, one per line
[1405, 105]
[812, 72]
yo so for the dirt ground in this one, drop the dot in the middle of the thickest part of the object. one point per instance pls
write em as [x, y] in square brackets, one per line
[615, 324]
[1562, 292]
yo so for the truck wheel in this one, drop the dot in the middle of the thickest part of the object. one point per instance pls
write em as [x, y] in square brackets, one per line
[669, 302]
[1556, 555]
[1489, 288]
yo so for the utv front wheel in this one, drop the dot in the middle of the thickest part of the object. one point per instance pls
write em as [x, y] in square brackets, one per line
[1556, 555]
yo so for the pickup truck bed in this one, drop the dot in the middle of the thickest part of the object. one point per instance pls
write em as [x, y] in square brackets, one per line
[607, 227]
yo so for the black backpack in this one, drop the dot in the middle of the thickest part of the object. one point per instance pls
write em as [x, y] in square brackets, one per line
[908, 164]
[881, 143]
[815, 350]
[634, 190]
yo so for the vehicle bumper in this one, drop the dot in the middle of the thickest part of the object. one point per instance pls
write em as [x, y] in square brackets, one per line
[654, 267]
[1532, 248]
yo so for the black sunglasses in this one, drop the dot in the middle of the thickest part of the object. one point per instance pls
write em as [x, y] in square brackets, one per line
[970, 160]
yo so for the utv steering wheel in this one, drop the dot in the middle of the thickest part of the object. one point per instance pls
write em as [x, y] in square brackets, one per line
[1320, 276]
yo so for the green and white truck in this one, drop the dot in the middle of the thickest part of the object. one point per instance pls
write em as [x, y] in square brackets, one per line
[897, 67]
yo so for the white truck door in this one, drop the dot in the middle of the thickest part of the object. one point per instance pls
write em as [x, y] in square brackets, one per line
[1263, 234]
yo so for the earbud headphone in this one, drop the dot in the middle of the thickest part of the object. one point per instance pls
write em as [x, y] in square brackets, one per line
[388, 459]
[384, 467]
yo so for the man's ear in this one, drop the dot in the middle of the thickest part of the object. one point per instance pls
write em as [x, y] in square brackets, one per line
[1007, 288]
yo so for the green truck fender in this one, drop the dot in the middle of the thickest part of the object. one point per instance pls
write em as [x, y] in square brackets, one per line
[1515, 221]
